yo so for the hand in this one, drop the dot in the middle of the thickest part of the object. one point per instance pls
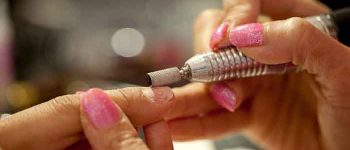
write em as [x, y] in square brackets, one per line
[108, 128]
[56, 124]
[308, 110]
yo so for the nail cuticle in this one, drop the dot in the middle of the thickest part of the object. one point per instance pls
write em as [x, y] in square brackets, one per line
[148, 93]
[158, 94]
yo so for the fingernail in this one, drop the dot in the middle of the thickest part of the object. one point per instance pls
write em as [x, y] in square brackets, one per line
[218, 38]
[158, 93]
[99, 108]
[247, 35]
[223, 96]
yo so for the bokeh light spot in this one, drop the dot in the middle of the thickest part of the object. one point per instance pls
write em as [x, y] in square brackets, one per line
[128, 42]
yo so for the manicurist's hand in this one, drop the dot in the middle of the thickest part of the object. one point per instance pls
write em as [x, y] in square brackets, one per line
[307, 110]
[97, 119]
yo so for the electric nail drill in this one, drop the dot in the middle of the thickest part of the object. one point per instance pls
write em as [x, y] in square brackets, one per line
[230, 63]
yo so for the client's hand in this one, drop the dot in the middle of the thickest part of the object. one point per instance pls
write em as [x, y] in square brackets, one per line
[56, 124]
[108, 128]
[308, 110]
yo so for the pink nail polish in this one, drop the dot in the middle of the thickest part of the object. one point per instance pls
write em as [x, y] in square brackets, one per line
[223, 96]
[99, 108]
[247, 35]
[218, 39]
[158, 93]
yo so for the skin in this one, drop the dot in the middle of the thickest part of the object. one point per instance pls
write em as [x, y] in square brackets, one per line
[307, 110]
[119, 134]
[59, 124]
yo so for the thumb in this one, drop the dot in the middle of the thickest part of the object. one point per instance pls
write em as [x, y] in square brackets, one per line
[105, 125]
[293, 40]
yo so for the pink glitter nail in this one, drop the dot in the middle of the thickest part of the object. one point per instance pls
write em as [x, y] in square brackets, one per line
[218, 38]
[99, 108]
[247, 35]
[223, 96]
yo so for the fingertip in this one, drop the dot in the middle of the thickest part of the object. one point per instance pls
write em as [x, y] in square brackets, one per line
[99, 108]
[204, 27]
[224, 96]
[219, 37]
[144, 105]
[158, 136]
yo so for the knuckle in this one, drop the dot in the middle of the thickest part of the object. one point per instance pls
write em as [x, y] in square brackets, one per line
[298, 26]
[125, 139]
[122, 100]
[129, 97]
[302, 32]
[64, 103]
[136, 92]
[131, 143]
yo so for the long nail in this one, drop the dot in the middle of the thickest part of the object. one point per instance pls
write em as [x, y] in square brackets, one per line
[223, 96]
[99, 108]
[247, 35]
[218, 38]
[158, 94]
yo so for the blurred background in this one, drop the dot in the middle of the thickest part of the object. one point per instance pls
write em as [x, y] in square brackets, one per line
[61, 46]
[55, 47]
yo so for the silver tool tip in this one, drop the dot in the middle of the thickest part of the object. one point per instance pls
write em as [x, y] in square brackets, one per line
[164, 77]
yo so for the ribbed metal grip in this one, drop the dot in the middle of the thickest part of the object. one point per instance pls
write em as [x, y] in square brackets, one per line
[229, 63]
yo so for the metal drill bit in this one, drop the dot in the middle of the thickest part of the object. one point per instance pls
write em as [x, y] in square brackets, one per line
[164, 77]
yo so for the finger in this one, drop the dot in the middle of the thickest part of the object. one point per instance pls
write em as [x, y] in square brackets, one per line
[297, 8]
[239, 12]
[105, 126]
[158, 136]
[204, 27]
[143, 106]
[228, 94]
[213, 125]
[191, 99]
[243, 89]
[198, 99]
[231, 93]
[236, 12]
[293, 40]
[296, 40]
